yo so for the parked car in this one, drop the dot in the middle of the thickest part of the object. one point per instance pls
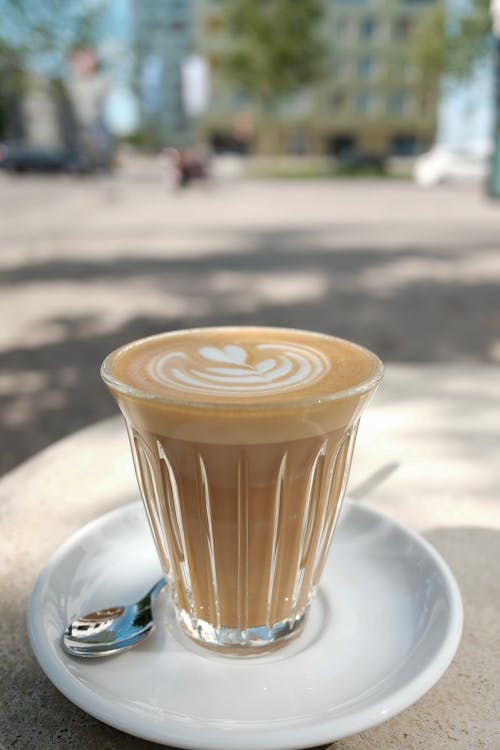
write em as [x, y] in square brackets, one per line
[15, 157]
[444, 164]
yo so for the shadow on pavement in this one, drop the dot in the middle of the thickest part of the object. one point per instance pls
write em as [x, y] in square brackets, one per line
[405, 304]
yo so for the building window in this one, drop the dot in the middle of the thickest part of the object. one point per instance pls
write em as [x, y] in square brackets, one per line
[403, 144]
[398, 102]
[364, 103]
[342, 27]
[367, 29]
[239, 99]
[341, 144]
[366, 66]
[405, 69]
[339, 67]
[339, 101]
[401, 29]
[299, 143]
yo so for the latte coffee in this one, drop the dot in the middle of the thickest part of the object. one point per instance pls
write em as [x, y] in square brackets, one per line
[242, 441]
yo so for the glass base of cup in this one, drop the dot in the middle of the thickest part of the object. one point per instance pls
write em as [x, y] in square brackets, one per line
[231, 641]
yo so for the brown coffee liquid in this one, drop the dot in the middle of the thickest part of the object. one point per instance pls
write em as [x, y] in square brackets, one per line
[242, 456]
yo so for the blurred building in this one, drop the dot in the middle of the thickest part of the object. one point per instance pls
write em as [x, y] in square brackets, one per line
[163, 37]
[371, 100]
[375, 98]
[11, 100]
[42, 126]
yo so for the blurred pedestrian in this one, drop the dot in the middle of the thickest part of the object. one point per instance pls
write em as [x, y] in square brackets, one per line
[184, 166]
[88, 88]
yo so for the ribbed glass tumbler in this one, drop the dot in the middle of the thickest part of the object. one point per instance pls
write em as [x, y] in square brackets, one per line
[242, 502]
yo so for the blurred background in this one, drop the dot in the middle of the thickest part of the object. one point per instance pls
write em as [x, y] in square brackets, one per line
[328, 164]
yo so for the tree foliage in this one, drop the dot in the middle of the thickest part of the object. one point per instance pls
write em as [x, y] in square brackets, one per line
[452, 46]
[273, 46]
[40, 35]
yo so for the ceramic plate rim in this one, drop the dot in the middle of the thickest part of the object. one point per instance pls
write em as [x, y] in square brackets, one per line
[272, 738]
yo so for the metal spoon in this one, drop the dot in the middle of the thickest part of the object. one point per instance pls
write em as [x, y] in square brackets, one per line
[115, 629]
[112, 630]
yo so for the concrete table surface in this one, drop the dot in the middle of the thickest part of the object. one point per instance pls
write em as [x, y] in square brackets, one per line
[431, 436]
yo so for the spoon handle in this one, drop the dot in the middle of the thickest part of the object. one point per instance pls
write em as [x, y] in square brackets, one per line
[159, 585]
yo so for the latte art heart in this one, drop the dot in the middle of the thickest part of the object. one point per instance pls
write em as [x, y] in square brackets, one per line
[257, 368]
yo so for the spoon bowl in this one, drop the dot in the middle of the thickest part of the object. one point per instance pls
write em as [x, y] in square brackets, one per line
[113, 629]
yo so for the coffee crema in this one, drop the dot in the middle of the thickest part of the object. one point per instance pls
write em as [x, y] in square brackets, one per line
[241, 364]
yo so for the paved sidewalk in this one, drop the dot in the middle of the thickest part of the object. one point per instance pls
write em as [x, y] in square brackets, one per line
[426, 431]
[89, 264]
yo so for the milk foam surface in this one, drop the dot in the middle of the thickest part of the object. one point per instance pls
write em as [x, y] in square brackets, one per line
[228, 364]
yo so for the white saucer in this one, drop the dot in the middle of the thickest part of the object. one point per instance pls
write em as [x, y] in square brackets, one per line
[382, 630]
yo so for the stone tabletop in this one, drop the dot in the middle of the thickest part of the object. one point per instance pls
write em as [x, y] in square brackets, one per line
[430, 444]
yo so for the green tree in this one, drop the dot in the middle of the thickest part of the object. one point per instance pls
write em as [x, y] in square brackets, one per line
[273, 48]
[40, 35]
[37, 37]
[441, 45]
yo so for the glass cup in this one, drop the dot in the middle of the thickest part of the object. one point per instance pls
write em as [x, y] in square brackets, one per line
[242, 499]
